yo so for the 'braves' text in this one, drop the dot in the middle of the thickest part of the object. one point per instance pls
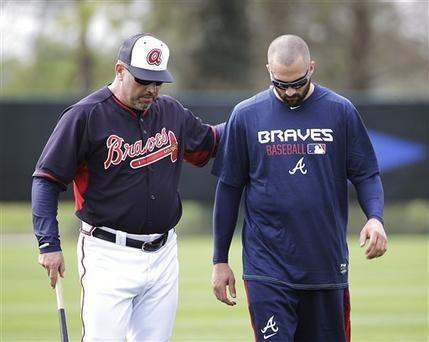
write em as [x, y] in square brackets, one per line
[314, 134]
[118, 151]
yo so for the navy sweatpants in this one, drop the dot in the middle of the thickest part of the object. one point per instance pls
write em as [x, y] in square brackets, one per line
[280, 313]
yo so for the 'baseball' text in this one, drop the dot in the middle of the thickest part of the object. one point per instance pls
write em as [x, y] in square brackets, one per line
[283, 149]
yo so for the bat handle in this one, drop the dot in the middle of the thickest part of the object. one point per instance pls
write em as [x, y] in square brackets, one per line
[59, 293]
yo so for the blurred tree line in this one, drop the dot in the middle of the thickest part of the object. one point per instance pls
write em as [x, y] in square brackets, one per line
[377, 47]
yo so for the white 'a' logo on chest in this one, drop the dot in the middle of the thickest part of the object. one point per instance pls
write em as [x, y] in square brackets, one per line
[300, 166]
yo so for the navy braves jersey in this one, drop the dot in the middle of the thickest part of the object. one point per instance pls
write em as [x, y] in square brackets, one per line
[124, 165]
[294, 165]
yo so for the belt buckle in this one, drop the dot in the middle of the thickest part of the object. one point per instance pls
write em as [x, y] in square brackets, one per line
[148, 247]
[145, 246]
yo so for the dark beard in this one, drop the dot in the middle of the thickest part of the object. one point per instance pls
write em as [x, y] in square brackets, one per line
[297, 99]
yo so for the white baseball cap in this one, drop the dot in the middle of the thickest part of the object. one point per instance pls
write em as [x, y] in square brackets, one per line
[146, 58]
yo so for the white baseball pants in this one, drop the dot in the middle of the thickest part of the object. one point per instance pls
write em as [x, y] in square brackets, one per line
[127, 294]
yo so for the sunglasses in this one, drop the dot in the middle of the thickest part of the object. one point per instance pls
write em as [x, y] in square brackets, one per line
[299, 83]
[146, 83]
[143, 82]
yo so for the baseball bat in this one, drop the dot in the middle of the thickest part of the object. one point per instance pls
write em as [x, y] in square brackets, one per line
[61, 311]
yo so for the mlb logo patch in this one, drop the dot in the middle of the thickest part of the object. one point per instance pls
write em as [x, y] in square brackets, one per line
[316, 149]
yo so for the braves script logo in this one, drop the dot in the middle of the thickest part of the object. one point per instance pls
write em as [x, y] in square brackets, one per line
[154, 57]
[118, 151]
[271, 325]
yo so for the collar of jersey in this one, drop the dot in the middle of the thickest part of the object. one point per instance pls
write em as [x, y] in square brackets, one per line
[132, 111]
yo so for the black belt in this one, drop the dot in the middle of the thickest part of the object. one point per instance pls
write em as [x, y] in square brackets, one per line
[151, 246]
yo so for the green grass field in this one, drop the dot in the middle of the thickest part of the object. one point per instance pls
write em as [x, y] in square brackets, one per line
[389, 295]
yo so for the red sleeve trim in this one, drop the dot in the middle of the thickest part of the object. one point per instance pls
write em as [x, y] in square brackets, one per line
[201, 158]
[215, 142]
[49, 176]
